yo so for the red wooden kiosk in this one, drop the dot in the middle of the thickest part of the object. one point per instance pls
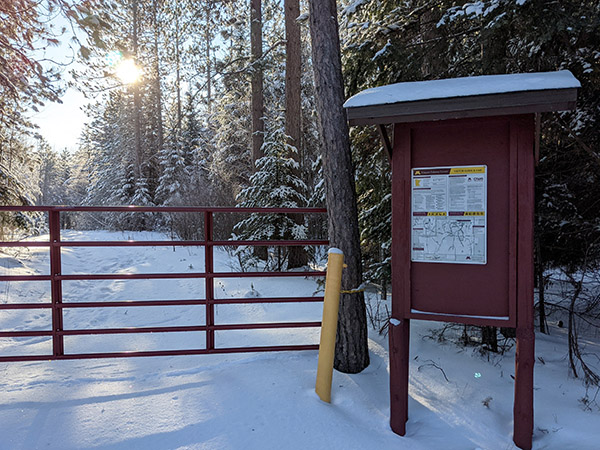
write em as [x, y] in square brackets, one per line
[463, 158]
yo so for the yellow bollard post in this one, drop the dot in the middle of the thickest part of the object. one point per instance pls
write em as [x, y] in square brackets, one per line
[331, 304]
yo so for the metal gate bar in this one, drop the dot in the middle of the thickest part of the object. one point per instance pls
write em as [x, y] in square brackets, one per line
[55, 277]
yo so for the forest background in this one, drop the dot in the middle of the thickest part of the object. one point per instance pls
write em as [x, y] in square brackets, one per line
[188, 131]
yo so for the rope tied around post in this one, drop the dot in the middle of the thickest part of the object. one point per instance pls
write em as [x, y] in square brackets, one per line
[356, 290]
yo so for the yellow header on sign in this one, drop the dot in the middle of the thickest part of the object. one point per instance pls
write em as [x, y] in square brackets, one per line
[457, 170]
[436, 213]
[475, 213]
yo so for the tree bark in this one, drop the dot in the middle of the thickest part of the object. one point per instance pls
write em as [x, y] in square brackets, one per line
[208, 39]
[137, 102]
[489, 338]
[157, 78]
[352, 354]
[258, 126]
[178, 70]
[572, 333]
[297, 256]
[539, 271]
[292, 73]
[257, 101]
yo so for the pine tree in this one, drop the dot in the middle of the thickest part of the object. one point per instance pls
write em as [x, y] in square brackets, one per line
[231, 164]
[352, 354]
[171, 183]
[19, 184]
[48, 174]
[373, 189]
[136, 119]
[275, 183]
[258, 111]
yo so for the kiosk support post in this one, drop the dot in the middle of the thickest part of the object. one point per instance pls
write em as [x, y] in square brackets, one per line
[399, 326]
[525, 353]
[399, 354]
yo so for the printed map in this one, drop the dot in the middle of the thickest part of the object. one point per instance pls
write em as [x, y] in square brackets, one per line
[449, 214]
[444, 239]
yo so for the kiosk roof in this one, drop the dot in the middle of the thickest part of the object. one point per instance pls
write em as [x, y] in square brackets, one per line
[479, 96]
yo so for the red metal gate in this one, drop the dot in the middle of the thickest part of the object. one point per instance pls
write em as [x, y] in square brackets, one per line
[57, 306]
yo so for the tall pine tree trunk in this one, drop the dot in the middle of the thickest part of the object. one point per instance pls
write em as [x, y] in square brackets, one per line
[257, 102]
[539, 272]
[297, 256]
[157, 78]
[258, 126]
[351, 354]
[178, 71]
[489, 338]
[157, 142]
[137, 125]
[207, 38]
[293, 63]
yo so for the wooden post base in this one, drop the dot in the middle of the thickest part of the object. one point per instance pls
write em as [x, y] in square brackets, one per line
[523, 409]
[399, 332]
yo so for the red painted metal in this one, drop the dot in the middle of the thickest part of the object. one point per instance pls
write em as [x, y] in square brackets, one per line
[237, 301]
[56, 278]
[25, 305]
[158, 276]
[174, 329]
[26, 333]
[163, 209]
[209, 282]
[236, 243]
[25, 244]
[56, 283]
[25, 277]
[280, 348]
[133, 303]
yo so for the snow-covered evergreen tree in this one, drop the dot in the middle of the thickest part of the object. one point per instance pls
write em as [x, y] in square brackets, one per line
[48, 174]
[19, 183]
[275, 183]
[171, 184]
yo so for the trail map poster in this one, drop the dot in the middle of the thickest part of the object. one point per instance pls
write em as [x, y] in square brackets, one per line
[449, 214]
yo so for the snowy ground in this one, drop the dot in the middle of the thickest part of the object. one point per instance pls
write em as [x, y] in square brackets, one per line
[251, 401]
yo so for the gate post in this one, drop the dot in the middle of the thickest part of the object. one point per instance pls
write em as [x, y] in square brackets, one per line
[209, 280]
[55, 283]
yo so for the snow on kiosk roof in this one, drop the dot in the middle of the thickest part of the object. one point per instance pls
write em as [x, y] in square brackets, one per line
[455, 98]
